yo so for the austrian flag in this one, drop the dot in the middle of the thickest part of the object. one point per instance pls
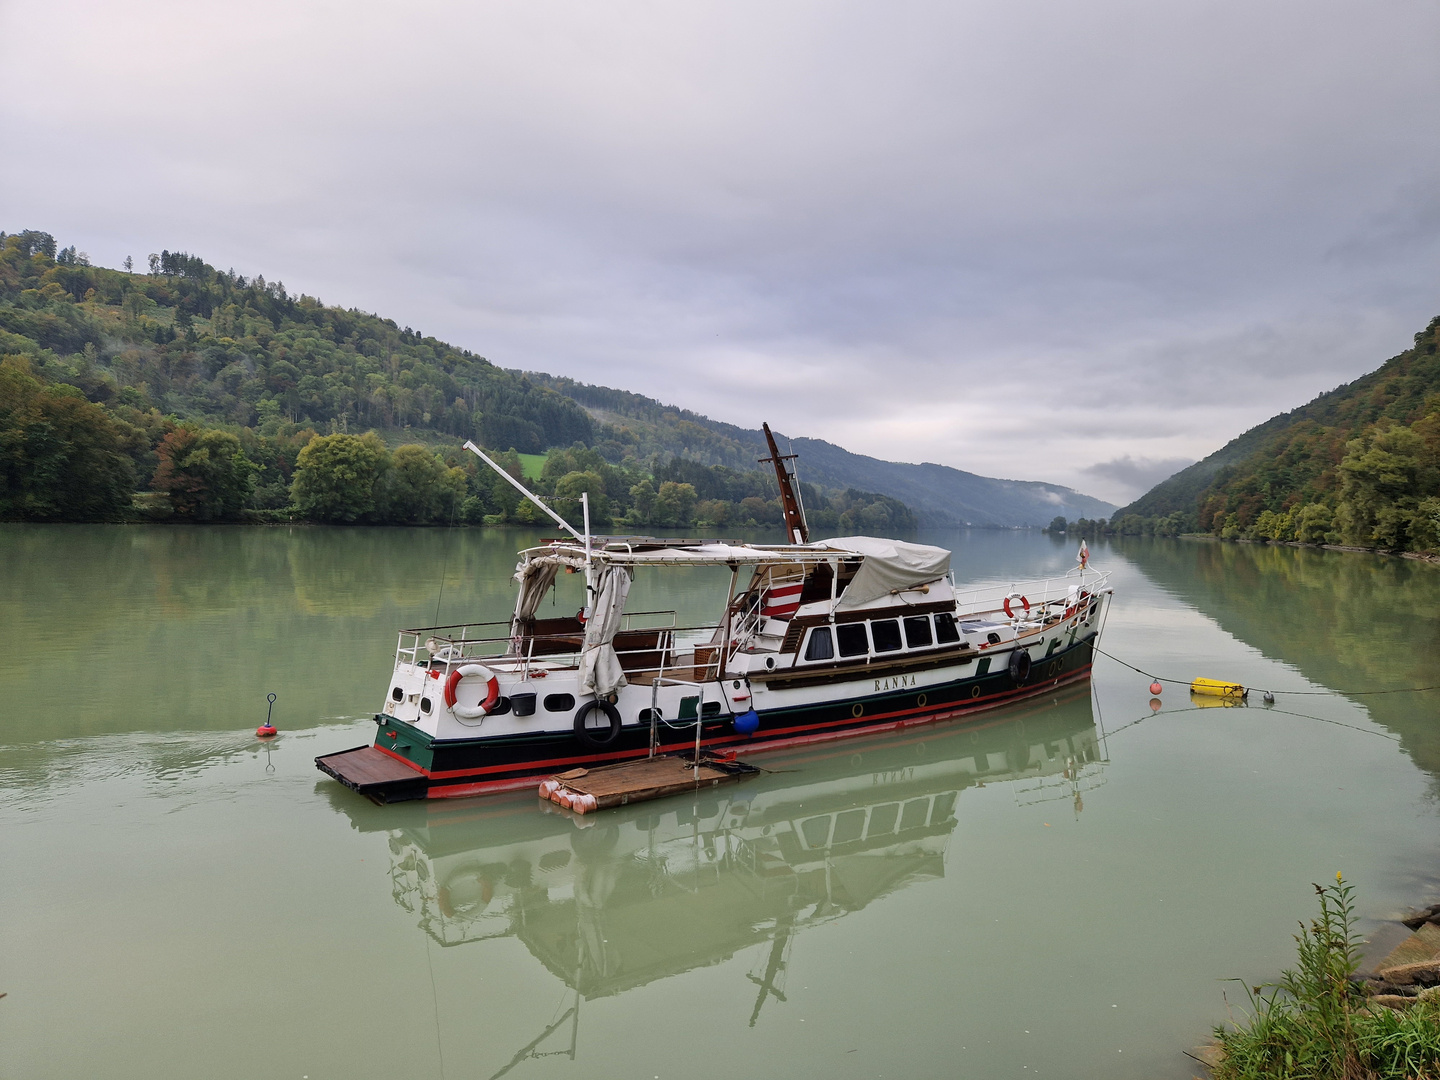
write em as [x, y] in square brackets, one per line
[781, 601]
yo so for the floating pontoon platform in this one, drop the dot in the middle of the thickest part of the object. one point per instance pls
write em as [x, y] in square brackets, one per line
[584, 790]
[375, 774]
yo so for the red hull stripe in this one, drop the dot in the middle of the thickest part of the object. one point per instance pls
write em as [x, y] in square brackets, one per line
[776, 739]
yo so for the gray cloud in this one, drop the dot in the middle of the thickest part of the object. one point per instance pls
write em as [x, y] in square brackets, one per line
[1123, 479]
[1010, 237]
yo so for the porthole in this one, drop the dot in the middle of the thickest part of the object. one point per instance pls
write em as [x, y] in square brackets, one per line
[397, 694]
[974, 691]
[857, 709]
[425, 705]
[920, 700]
[559, 702]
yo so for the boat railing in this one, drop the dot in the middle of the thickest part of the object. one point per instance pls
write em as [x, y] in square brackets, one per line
[1047, 597]
[653, 648]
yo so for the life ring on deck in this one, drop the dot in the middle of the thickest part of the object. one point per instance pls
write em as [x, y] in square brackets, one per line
[1009, 613]
[597, 738]
[1020, 667]
[492, 691]
[580, 617]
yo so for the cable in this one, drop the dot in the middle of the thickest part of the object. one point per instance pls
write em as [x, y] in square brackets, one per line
[1290, 693]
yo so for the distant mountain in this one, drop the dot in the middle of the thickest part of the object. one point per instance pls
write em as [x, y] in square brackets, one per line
[1360, 464]
[939, 494]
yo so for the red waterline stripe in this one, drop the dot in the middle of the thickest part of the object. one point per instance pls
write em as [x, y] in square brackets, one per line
[883, 723]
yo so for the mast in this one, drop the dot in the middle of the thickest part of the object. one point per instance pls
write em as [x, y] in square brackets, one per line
[795, 527]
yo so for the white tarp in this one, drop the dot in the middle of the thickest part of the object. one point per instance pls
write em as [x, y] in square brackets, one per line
[889, 565]
[600, 671]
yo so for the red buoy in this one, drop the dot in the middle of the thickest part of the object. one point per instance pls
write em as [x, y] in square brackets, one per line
[267, 729]
[1154, 704]
[1155, 688]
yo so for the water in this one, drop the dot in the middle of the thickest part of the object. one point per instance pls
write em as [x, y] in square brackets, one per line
[1058, 890]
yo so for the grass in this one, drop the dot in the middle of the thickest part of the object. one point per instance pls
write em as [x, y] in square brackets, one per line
[531, 464]
[1315, 1024]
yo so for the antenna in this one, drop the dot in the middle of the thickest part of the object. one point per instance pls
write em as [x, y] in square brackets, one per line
[795, 526]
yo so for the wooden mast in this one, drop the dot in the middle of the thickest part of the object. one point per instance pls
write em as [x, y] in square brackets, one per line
[795, 527]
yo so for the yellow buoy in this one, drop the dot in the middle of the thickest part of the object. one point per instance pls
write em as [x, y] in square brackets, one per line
[1217, 688]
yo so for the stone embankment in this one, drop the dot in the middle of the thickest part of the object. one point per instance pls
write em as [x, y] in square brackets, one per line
[1410, 972]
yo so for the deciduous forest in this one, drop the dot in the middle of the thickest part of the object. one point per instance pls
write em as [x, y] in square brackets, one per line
[189, 394]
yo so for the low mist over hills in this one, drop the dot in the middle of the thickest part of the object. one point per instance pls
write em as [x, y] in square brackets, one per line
[940, 495]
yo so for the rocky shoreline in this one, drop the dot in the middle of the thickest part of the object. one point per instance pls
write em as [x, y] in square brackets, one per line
[1410, 972]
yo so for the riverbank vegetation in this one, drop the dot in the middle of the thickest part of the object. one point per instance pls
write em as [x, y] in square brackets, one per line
[1358, 466]
[193, 394]
[1315, 1023]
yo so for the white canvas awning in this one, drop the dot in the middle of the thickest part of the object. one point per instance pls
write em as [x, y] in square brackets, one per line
[889, 565]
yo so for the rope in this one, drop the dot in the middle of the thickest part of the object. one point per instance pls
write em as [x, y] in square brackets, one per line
[1281, 712]
[1289, 693]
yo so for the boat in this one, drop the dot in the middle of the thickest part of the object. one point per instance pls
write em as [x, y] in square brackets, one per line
[818, 640]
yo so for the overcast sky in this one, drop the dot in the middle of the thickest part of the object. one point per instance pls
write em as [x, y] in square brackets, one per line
[1078, 242]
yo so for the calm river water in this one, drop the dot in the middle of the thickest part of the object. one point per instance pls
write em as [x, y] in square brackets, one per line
[1055, 890]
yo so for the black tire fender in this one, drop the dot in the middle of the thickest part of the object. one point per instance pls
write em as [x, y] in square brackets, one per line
[597, 738]
[1020, 667]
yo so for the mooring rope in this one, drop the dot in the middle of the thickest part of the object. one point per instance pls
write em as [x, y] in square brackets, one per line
[1290, 693]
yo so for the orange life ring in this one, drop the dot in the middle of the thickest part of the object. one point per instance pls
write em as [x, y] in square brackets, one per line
[492, 691]
[1009, 614]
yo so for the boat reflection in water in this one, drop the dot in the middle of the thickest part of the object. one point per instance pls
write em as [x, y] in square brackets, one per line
[621, 898]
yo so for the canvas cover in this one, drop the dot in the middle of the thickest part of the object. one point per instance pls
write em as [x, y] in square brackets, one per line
[600, 671]
[888, 565]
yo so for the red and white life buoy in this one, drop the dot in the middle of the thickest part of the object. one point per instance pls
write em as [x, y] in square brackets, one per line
[1009, 611]
[492, 691]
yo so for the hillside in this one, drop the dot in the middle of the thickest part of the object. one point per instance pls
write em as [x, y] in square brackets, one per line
[941, 495]
[122, 361]
[1358, 465]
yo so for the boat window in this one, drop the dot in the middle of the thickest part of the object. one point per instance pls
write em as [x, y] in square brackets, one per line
[820, 646]
[883, 817]
[849, 826]
[946, 632]
[852, 639]
[816, 831]
[559, 702]
[914, 814]
[712, 708]
[917, 631]
[886, 635]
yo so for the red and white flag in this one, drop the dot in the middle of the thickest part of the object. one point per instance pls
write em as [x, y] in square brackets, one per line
[1084, 555]
[782, 601]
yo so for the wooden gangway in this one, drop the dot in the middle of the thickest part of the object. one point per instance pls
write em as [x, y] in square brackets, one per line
[375, 774]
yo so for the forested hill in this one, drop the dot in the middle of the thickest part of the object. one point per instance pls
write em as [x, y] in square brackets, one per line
[191, 393]
[125, 358]
[1358, 465]
[940, 494]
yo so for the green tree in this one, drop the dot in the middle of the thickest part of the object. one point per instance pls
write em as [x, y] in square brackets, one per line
[1313, 523]
[205, 473]
[1057, 524]
[642, 498]
[1381, 480]
[418, 489]
[674, 503]
[336, 477]
[61, 457]
[573, 484]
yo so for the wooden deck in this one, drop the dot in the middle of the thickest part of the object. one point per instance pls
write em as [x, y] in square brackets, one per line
[637, 781]
[375, 774]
